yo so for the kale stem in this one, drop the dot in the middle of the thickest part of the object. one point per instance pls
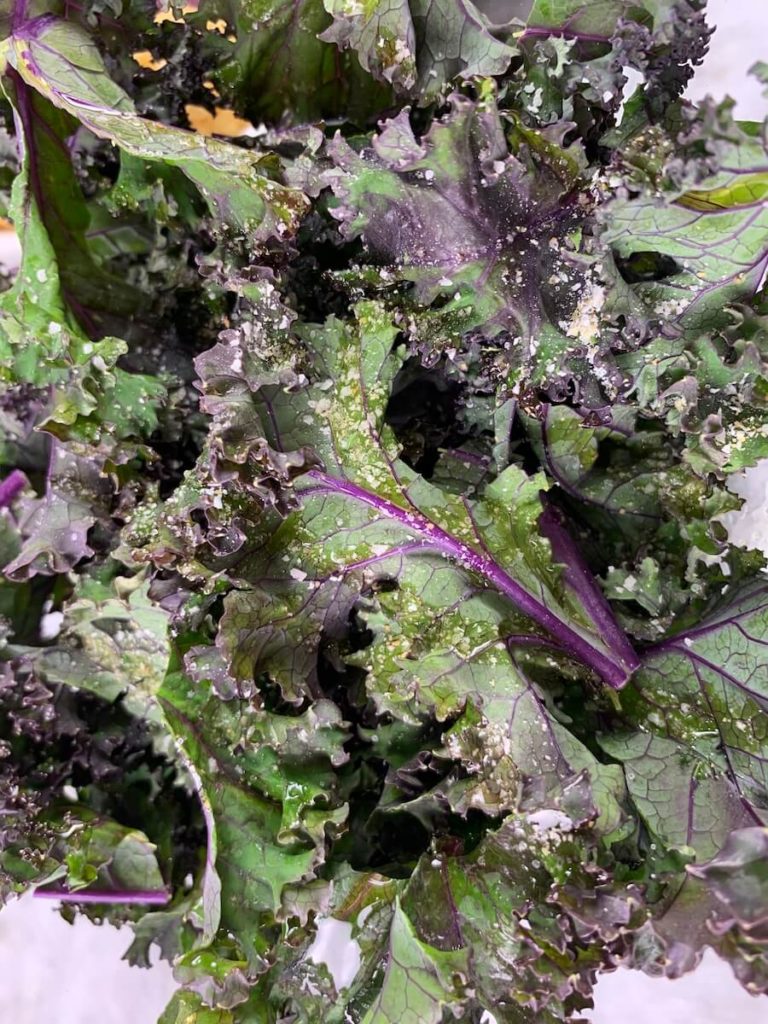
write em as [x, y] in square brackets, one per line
[578, 576]
[18, 14]
[572, 642]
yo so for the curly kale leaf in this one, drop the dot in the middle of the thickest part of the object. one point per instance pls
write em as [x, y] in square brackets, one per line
[62, 62]
[705, 688]
[479, 216]
[268, 783]
[365, 516]
[277, 66]
[54, 528]
[419, 45]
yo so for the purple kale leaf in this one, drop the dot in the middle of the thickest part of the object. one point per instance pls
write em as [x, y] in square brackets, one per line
[364, 516]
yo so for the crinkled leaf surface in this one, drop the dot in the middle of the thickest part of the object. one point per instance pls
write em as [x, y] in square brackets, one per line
[407, 550]
[624, 477]
[716, 234]
[61, 62]
[61, 299]
[418, 45]
[711, 390]
[365, 515]
[448, 662]
[483, 929]
[55, 527]
[278, 67]
[420, 982]
[720, 904]
[269, 785]
[597, 20]
[466, 220]
[93, 856]
[503, 903]
[573, 55]
[703, 694]
[114, 643]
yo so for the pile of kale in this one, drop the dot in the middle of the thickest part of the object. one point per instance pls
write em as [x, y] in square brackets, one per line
[365, 462]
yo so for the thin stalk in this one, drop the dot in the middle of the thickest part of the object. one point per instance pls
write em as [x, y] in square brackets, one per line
[578, 577]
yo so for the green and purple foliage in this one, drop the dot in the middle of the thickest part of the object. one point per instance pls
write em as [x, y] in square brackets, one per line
[362, 491]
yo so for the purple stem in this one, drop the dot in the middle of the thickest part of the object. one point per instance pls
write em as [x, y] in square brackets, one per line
[571, 642]
[18, 14]
[149, 896]
[11, 486]
[579, 578]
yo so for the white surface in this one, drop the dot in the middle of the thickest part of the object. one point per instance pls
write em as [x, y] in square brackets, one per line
[748, 528]
[54, 973]
[334, 946]
[740, 41]
[10, 251]
[709, 995]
